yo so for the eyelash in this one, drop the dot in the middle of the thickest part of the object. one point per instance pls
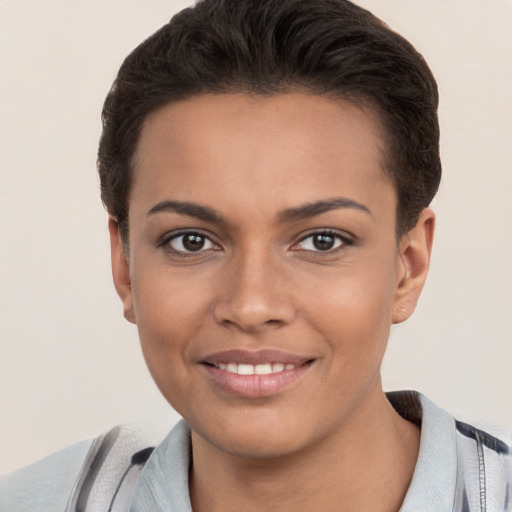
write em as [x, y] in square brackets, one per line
[338, 238]
[166, 241]
[341, 239]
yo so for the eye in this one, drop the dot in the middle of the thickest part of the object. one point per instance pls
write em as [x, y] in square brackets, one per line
[189, 242]
[322, 242]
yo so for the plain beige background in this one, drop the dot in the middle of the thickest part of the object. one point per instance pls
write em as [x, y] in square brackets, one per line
[70, 366]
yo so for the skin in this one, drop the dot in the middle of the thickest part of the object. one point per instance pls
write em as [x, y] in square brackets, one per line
[330, 437]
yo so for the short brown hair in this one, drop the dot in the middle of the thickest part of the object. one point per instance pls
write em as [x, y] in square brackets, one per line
[327, 47]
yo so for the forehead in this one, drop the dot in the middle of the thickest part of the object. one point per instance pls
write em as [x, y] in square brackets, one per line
[292, 148]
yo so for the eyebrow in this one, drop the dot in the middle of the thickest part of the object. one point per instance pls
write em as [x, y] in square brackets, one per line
[187, 208]
[305, 211]
[317, 208]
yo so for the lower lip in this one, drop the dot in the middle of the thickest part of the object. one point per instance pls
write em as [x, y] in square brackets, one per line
[255, 386]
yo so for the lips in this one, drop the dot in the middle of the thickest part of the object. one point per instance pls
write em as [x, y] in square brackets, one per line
[255, 358]
[255, 374]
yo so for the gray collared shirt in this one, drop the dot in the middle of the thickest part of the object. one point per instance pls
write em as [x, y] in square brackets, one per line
[447, 477]
[459, 469]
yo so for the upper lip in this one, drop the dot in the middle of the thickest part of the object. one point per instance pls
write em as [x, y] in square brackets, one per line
[240, 356]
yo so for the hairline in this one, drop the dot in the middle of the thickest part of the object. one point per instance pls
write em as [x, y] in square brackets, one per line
[362, 101]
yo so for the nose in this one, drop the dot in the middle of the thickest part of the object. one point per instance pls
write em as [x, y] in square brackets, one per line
[255, 294]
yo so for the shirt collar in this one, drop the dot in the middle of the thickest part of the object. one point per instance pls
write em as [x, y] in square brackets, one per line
[163, 484]
[435, 475]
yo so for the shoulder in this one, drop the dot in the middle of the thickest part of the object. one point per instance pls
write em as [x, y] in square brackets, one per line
[459, 466]
[484, 469]
[87, 475]
[47, 484]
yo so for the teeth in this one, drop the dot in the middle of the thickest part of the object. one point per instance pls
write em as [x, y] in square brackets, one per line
[245, 369]
[263, 369]
[255, 369]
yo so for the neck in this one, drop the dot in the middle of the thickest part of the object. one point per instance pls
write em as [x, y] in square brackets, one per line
[366, 465]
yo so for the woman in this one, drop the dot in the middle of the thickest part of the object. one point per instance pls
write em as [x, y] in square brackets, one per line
[268, 169]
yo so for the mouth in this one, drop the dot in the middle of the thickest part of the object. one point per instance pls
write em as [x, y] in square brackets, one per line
[255, 374]
[254, 369]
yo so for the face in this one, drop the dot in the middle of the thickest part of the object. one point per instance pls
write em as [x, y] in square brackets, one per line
[263, 270]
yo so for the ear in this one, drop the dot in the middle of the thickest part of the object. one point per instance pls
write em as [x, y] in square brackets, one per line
[121, 270]
[414, 259]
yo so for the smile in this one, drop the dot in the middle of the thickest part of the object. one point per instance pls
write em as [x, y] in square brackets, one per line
[255, 374]
[255, 369]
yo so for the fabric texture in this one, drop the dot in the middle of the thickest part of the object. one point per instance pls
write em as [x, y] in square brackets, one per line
[459, 469]
[44, 486]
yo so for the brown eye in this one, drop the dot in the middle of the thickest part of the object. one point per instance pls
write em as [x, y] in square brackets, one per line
[193, 242]
[323, 242]
[190, 242]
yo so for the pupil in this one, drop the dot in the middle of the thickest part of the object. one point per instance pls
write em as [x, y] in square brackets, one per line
[323, 242]
[193, 242]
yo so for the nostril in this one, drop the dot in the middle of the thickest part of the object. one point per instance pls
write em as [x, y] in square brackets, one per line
[253, 313]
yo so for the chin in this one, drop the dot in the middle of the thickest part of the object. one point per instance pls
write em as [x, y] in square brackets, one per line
[257, 446]
[258, 437]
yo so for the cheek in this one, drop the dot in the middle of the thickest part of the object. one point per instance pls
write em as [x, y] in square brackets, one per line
[169, 303]
[170, 314]
[352, 310]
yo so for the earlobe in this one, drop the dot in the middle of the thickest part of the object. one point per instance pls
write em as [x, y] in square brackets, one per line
[414, 260]
[121, 270]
